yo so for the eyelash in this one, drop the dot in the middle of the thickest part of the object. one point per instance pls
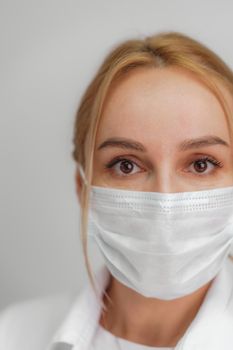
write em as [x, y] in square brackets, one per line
[216, 163]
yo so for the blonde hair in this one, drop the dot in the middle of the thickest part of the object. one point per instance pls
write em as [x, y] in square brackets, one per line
[164, 49]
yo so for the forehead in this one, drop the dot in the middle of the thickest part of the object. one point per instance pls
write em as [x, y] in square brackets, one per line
[166, 102]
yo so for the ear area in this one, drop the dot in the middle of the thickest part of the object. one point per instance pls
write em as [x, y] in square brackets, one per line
[78, 183]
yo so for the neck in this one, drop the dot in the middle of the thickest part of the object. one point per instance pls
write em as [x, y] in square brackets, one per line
[149, 321]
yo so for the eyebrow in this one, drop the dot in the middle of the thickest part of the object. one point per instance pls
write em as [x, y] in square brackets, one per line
[124, 143]
[209, 140]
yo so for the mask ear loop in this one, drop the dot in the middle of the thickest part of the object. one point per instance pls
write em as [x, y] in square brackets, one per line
[83, 176]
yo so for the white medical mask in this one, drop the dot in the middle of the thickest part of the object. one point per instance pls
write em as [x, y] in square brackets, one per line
[162, 245]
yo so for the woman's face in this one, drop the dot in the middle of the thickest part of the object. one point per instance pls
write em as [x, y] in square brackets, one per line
[163, 131]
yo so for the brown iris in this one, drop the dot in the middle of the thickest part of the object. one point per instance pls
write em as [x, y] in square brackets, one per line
[126, 167]
[200, 166]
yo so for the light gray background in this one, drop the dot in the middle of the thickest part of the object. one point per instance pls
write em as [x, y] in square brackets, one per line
[50, 50]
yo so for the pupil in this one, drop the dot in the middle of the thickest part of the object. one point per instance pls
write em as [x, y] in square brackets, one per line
[200, 166]
[126, 166]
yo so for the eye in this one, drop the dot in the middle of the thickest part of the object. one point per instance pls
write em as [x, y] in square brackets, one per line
[205, 165]
[122, 166]
[202, 166]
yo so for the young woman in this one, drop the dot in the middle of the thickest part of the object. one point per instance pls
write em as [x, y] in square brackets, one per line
[153, 146]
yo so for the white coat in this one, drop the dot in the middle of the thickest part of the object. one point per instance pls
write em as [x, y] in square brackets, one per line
[69, 321]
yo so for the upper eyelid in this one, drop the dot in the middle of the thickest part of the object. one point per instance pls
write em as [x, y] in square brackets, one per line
[118, 159]
[128, 157]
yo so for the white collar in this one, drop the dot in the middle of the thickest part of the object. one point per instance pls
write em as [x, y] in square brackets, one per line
[81, 321]
[212, 325]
